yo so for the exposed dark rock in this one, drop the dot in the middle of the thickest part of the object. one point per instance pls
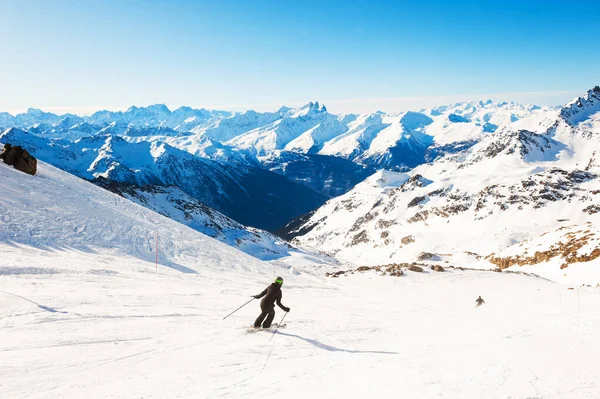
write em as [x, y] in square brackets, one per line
[592, 209]
[433, 193]
[361, 237]
[336, 274]
[414, 182]
[416, 201]
[363, 219]
[384, 224]
[19, 158]
[407, 240]
[425, 256]
[568, 251]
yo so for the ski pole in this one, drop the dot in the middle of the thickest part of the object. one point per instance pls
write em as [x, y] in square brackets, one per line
[278, 326]
[239, 308]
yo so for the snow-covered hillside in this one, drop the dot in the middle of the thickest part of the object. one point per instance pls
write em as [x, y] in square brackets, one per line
[55, 211]
[85, 313]
[249, 194]
[508, 186]
[177, 205]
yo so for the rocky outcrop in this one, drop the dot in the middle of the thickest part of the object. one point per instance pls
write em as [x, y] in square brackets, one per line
[20, 158]
[568, 251]
[425, 256]
[407, 240]
[392, 269]
[592, 209]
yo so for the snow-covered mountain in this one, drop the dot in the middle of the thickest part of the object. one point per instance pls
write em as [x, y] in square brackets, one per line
[508, 186]
[278, 134]
[260, 159]
[183, 119]
[251, 195]
[378, 140]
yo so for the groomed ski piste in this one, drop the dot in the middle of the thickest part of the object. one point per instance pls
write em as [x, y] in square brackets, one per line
[85, 313]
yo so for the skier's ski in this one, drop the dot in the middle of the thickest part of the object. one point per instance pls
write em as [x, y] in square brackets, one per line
[273, 327]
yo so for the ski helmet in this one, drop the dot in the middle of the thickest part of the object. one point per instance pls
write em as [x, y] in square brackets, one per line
[279, 280]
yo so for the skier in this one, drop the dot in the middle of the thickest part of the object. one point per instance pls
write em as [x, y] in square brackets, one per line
[479, 301]
[271, 295]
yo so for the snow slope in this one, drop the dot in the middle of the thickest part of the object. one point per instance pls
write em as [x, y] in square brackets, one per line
[57, 211]
[84, 313]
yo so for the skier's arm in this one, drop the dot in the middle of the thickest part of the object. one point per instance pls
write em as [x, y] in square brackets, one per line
[261, 294]
[283, 307]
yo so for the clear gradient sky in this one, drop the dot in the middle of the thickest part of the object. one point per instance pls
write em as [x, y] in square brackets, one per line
[351, 55]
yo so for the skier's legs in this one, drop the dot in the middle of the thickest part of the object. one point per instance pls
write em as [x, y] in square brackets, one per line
[260, 318]
[270, 318]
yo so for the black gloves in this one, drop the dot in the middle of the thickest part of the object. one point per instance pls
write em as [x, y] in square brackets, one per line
[254, 296]
[286, 309]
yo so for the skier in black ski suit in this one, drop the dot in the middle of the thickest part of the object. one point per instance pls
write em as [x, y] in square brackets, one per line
[479, 301]
[271, 295]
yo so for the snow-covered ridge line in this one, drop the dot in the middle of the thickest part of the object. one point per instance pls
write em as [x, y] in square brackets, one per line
[582, 107]
[394, 141]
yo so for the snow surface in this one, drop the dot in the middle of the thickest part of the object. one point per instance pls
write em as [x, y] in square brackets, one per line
[85, 313]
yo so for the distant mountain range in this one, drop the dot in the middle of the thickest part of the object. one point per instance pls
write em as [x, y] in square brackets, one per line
[265, 169]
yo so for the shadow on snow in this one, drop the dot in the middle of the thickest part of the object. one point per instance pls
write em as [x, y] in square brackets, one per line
[330, 348]
[46, 308]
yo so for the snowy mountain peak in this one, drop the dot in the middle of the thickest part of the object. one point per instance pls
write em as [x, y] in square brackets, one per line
[414, 120]
[68, 122]
[529, 146]
[159, 108]
[582, 107]
[35, 112]
[311, 107]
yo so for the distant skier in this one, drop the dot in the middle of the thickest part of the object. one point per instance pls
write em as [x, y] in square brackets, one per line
[271, 295]
[479, 301]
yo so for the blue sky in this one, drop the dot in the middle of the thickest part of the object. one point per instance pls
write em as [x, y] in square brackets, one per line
[350, 55]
